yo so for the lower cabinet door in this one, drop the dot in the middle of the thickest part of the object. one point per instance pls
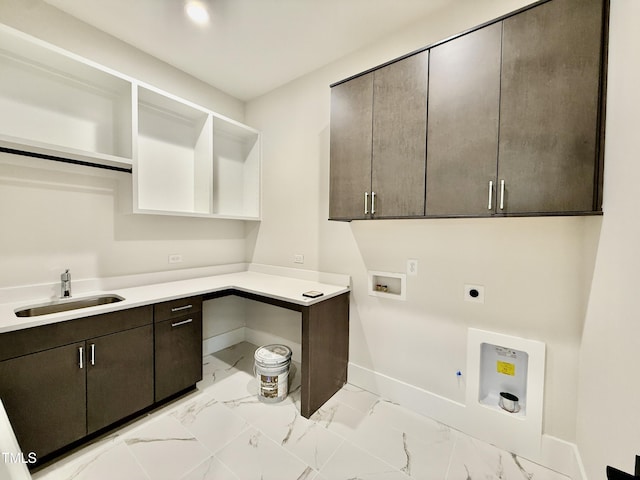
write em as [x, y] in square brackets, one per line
[44, 396]
[178, 354]
[119, 376]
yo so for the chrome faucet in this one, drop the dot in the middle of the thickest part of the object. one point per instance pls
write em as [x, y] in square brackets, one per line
[65, 286]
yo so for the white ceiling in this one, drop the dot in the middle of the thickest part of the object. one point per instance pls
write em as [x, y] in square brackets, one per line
[250, 46]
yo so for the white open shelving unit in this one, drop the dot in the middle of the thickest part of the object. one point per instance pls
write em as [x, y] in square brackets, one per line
[185, 159]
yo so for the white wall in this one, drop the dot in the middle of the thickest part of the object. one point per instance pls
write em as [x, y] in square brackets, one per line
[536, 271]
[609, 391]
[57, 216]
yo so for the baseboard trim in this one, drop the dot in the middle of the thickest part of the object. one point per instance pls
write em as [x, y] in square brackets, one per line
[244, 334]
[222, 341]
[258, 338]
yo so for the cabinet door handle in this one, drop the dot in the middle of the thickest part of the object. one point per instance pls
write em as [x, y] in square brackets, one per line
[93, 354]
[501, 194]
[81, 357]
[490, 195]
[177, 324]
[366, 203]
[373, 203]
[185, 307]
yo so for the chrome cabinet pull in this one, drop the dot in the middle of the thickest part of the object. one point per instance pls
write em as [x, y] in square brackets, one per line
[490, 195]
[81, 356]
[373, 203]
[501, 194]
[177, 309]
[366, 203]
[93, 354]
[177, 324]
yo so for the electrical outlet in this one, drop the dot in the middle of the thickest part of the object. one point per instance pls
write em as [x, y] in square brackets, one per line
[474, 293]
[412, 267]
[175, 258]
[298, 258]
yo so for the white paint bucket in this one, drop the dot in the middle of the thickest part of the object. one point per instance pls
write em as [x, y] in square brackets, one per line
[272, 372]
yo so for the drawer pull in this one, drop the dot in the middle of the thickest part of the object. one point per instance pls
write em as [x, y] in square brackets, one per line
[501, 194]
[93, 354]
[373, 203]
[81, 356]
[366, 203]
[185, 307]
[182, 323]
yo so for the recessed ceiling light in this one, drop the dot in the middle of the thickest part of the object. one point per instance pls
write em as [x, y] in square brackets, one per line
[197, 12]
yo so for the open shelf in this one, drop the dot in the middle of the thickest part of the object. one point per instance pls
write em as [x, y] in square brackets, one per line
[236, 169]
[53, 104]
[174, 151]
[190, 161]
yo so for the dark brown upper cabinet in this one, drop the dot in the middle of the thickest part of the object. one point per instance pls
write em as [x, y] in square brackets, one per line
[549, 109]
[515, 122]
[378, 130]
[350, 144]
[462, 139]
[399, 132]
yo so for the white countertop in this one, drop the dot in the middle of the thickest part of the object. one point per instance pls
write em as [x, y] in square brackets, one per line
[288, 289]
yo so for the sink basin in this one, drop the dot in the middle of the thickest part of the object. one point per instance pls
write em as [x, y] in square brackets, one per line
[66, 305]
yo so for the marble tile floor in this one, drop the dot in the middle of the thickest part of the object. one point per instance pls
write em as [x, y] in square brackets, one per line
[222, 431]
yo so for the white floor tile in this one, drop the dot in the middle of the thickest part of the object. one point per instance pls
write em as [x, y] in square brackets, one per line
[475, 459]
[355, 398]
[166, 449]
[210, 469]
[339, 418]
[212, 423]
[283, 423]
[254, 456]
[114, 462]
[351, 462]
[418, 457]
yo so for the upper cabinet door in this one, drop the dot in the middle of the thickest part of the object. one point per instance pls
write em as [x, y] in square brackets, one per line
[350, 144]
[549, 108]
[399, 137]
[462, 140]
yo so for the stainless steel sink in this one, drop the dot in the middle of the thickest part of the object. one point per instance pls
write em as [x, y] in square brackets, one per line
[66, 305]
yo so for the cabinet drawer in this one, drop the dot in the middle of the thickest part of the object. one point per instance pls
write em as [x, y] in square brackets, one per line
[176, 308]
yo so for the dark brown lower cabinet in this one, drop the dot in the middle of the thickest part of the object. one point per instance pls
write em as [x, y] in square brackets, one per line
[63, 381]
[119, 376]
[44, 395]
[178, 354]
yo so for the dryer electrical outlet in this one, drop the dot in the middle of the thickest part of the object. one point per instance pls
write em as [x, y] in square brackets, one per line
[474, 293]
